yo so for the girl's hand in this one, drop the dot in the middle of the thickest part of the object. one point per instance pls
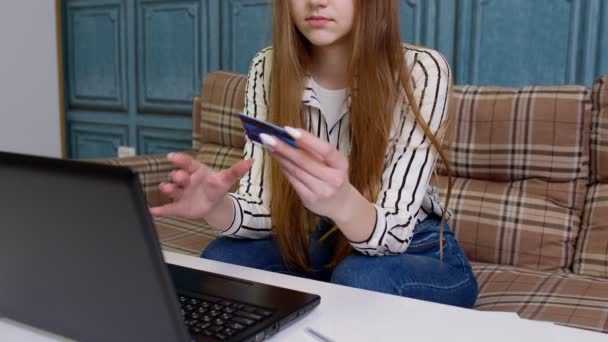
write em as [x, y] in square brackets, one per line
[317, 171]
[195, 189]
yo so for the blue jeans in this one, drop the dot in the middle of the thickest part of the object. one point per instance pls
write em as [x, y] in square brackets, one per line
[417, 273]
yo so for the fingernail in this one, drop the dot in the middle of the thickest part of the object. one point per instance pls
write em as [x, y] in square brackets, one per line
[293, 132]
[268, 140]
[170, 155]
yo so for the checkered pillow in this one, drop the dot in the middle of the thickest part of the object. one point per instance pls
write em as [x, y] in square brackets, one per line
[560, 297]
[216, 119]
[152, 170]
[218, 135]
[599, 131]
[529, 223]
[592, 248]
[520, 160]
[509, 134]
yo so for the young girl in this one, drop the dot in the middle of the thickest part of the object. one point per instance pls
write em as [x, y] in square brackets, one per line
[352, 203]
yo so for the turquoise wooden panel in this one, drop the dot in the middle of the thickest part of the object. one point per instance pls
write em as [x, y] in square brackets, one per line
[96, 56]
[445, 24]
[602, 53]
[89, 140]
[246, 29]
[98, 117]
[157, 131]
[170, 37]
[134, 65]
[514, 42]
[163, 140]
[592, 42]
[163, 120]
[429, 23]
[410, 16]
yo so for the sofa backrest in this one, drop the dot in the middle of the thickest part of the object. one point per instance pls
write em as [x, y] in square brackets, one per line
[520, 161]
[592, 247]
[520, 156]
[218, 135]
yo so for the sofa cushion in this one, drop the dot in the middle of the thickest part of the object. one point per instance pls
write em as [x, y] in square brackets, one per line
[152, 170]
[184, 236]
[508, 134]
[215, 116]
[599, 131]
[563, 298]
[520, 161]
[529, 223]
[592, 248]
[220, 157]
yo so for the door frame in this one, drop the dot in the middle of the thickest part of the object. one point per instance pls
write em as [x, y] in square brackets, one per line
[60, 75]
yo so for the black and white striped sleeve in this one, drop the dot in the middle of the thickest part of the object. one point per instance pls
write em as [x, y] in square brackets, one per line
[410, 158]
[252, 199]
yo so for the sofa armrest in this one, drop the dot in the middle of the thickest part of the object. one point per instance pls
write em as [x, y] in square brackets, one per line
[152, 170]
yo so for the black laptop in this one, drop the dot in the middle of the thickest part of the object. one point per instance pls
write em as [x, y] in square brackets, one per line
[79, 257]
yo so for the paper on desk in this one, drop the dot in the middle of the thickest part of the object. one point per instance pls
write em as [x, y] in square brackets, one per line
[469, 325]
[533, 330]
[16, 332]
[503, 314]
[562, 334]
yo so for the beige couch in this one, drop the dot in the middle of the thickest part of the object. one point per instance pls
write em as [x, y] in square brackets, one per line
[530, 199]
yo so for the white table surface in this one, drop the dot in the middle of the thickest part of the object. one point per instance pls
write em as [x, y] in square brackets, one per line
[348, 314]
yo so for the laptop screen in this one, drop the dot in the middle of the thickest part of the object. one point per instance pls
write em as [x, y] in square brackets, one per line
[78, 253]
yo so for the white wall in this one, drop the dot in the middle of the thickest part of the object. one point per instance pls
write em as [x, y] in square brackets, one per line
[29, 96]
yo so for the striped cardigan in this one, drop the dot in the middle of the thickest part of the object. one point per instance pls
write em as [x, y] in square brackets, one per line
[405, 198]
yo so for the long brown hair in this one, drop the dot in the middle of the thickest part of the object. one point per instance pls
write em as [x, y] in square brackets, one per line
[377, 43]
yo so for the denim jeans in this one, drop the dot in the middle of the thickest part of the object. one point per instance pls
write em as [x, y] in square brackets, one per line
[417, 273]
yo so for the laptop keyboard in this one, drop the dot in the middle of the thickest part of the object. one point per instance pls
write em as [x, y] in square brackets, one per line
[212, 316]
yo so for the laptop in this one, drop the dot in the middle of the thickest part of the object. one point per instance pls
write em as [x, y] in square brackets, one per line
[80, 258]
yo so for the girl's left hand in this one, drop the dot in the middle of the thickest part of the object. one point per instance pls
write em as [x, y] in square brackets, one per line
[317, 171]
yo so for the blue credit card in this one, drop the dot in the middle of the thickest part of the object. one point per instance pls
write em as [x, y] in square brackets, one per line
[254, 127]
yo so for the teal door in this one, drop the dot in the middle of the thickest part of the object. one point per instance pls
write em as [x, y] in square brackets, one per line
[133, 66]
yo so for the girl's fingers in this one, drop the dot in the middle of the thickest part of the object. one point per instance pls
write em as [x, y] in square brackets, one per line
[312, 183]
[185, 162]
[165, 210]
[303, 191]
[181, 178]
[171, 190]
[308, 142]
[236, 171]
[304, 160]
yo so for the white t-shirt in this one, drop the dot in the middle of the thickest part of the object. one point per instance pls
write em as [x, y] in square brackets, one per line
[333, 103]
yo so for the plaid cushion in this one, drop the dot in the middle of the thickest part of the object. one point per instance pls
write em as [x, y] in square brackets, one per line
[599, 131]
[592, 248]
[507, 134]
[520, 158]
[563, 298]
[152, 170]
[219, 157]
[215, 116]
[529, 223]
[184, 236]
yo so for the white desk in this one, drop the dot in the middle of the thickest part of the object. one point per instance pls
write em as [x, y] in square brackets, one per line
[348, 314]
